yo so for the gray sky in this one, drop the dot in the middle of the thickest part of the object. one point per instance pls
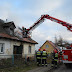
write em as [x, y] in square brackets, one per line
[26, 12]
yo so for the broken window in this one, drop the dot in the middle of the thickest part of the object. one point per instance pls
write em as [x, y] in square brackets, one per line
[1, 47]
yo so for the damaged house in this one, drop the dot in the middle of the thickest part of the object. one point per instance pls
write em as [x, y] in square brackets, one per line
[11, 44]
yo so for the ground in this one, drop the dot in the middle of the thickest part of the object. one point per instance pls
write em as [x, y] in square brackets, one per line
[41, 69]
[34, 68]
[20, 65]
[62, 68]
[30, 66]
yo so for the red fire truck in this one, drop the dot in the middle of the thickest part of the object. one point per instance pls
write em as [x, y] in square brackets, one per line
[67, 56]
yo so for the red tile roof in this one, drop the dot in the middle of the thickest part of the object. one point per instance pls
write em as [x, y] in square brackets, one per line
[29, 40]
[52, 44]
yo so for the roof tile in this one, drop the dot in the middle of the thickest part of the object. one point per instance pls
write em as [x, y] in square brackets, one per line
[29, 40]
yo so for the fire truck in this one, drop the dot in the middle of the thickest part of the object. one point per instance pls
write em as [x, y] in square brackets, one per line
[67, 53]
[67, 56]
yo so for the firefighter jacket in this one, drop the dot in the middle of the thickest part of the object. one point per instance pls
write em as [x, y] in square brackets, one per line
[56, 57]
[44, 55]
[38, 54]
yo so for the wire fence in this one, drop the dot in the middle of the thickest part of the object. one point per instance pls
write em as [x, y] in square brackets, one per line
[7, 61]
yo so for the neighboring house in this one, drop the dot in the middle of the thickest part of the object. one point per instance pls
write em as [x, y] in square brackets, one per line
[48, 46]
[11, 44]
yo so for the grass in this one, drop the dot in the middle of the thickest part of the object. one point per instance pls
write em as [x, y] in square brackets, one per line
[22, 68]
[19, 65]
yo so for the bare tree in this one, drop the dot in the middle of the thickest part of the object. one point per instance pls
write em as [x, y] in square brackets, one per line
[61, 42]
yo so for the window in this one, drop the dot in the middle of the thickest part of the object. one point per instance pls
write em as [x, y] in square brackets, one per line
[11, 31]
[1, 47]
[47, 46]
[29, 49]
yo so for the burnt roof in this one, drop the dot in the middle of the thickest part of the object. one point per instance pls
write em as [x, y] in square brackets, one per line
[28, 40]
[9, 24]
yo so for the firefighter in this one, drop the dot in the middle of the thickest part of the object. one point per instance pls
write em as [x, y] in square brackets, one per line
[54, 58]
[25, 32]
[44, 56]
[38, 57]
[60, 56]
[53, 55]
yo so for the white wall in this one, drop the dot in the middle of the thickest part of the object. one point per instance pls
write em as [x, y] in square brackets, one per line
[26, 49]
[8, 48]
[12, 43]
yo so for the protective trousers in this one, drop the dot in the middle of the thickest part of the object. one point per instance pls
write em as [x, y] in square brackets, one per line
[44, 62]
[38, 62]
[56, 59]
[53, 63]
[44, 56]
[38, 56]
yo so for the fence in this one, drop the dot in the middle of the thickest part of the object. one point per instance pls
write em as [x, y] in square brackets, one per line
[17, 60]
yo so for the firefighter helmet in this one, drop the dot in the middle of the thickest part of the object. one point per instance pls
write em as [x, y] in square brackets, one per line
[55, 51]
[22, 26]
[43, 49]
[39, 49]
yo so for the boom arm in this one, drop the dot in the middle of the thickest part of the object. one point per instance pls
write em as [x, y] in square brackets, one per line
[42, 18]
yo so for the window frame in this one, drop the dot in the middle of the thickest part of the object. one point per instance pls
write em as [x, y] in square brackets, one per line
[11, 31]
[2, 49]
[47, 46]
[29, 49]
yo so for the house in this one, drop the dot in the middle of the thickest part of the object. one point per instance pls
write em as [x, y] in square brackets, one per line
[48, 46]
[13, 45]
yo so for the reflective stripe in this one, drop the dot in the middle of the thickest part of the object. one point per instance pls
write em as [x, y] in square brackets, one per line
[38, 54]
[38, 57]
[52, 65]
[44, 53]
[43, 57]
[45, 64]
[42, 64]
[56, 59]
[56, 55]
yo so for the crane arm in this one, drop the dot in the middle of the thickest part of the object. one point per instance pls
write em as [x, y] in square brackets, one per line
[43, 17]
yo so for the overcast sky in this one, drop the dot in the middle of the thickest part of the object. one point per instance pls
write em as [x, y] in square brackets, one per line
[26, 12]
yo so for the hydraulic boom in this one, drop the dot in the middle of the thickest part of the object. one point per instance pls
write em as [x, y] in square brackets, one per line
[42, 18]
